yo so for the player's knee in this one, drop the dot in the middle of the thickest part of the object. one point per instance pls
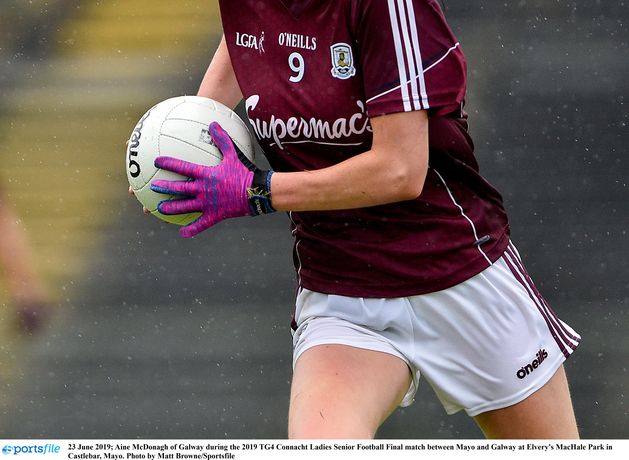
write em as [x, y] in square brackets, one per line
[316, 416]
[326, 426]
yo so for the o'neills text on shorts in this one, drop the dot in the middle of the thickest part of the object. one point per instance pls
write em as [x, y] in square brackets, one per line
[526, 370]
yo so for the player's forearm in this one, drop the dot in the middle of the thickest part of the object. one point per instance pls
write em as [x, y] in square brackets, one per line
[356, 183]
[393, 170]
[219, 82]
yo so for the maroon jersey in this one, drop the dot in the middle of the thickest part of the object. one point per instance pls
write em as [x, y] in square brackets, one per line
[312, 73]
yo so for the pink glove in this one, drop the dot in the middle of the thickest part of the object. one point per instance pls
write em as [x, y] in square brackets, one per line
[234, 188]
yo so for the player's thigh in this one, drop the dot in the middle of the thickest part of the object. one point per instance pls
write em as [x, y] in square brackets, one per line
[546, 414]
[339, 391]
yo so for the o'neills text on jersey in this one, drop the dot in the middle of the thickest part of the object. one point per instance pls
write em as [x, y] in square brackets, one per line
[526, 370]
[297, 41]
[299, 129]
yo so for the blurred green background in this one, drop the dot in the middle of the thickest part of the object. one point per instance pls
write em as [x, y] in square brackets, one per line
[154, 336]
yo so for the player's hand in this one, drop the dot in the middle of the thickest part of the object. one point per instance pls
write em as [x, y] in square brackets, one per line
[132, 193]
[233, 188]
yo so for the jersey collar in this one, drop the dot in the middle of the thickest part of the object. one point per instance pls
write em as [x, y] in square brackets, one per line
[296, 7]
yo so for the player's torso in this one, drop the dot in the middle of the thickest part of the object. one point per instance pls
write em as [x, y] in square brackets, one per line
[298, 72]
[309, 71]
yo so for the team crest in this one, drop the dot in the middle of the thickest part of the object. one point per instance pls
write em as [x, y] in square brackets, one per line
[342, 61]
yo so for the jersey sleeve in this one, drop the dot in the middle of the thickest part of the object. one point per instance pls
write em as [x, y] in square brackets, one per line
[408, 56]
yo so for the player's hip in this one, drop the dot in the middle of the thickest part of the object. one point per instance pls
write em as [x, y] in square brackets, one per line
[485, 343]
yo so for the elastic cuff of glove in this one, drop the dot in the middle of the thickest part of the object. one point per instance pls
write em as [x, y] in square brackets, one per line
[259, 194]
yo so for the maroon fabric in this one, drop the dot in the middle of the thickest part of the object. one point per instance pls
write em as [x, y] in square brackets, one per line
[312, 73]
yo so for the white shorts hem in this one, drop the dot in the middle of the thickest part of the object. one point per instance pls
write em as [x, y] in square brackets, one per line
[409, 397]
[542, 380]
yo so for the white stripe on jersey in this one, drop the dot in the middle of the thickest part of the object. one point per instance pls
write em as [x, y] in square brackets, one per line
[472, 226]
[399, 54]
[384, 93]
[418, 54]
[408, 54]
[452, 48]
[297, 241]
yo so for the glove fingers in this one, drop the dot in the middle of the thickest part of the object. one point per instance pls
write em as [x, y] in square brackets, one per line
[170, 187]
[202, 223]
[172, 207]
[228, 147]
[221, 138]
[185, 168]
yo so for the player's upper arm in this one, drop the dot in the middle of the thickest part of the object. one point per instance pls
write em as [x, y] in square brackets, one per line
[401, 142]
[219, 82]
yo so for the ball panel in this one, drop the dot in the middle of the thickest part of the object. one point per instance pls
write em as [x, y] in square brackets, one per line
[188, 139]
[179, 219]
[227, 118]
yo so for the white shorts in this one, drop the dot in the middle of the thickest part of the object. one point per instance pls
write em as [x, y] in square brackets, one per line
[484, 344]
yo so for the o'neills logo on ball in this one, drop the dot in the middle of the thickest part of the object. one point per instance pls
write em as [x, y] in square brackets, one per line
[134, 147]
[526, 370]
